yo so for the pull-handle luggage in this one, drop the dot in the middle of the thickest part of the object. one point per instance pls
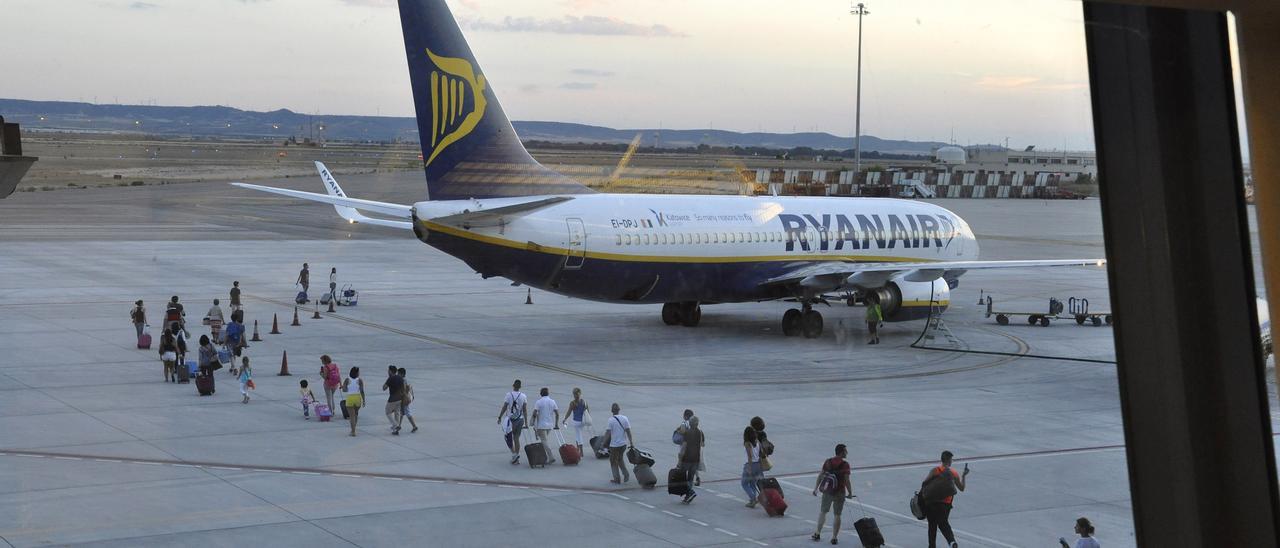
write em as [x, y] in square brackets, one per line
[644, 476]
[569, 454]
[678, 482]
[868, 531]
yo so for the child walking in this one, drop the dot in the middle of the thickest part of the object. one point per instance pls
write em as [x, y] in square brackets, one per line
[307, 398]
[246, 379]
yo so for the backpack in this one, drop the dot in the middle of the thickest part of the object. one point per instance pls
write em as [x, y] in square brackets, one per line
[939, 487]
[830, 482]
[331, 375]
[133, 315]
[516, 412]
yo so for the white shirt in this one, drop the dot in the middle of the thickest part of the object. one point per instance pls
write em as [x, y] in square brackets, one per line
[546, 409]
[515, 403]
[618, 426]
[1087, 542]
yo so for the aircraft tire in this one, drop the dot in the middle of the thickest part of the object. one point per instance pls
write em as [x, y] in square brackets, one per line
[690, 314]
[671, 313]
[791, 322]
[811, 324]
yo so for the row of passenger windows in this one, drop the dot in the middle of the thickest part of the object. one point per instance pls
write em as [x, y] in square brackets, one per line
[680, 238]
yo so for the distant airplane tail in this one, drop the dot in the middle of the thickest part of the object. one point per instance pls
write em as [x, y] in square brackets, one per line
[469, 148]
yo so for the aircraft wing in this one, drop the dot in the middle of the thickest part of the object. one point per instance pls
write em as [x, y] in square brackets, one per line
[840, 273]
[498, 215]
[344, 205]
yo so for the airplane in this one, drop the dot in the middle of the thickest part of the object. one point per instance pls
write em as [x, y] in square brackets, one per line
[490, 204]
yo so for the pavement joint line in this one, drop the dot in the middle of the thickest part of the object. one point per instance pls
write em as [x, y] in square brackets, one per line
[697, 522]
[672, 514]
[730, 533]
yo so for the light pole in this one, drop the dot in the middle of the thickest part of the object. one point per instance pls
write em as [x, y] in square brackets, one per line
[858, 10]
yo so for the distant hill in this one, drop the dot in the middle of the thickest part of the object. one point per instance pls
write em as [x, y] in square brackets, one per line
[218, 121]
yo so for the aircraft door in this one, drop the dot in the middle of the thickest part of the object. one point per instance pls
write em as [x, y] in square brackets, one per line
[577, 244]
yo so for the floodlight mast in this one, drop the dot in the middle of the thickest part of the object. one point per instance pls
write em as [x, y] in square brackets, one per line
[859, 10]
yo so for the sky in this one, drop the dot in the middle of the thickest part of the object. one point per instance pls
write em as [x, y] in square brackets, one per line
[940, 70]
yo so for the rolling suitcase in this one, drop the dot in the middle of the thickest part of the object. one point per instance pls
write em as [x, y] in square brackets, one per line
[204, 385]
[868, 531]
[677, 482]
[773, 503]
[569, 454]
[536, 454]
[769, 483]
[144, 341]
[644, 476]
[597, 447]
[182, 373]
[323, 411]
[301, 298]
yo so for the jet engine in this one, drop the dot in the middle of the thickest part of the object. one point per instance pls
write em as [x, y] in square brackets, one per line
[901, 300]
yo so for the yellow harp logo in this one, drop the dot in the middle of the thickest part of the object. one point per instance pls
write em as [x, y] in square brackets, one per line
[453, 81]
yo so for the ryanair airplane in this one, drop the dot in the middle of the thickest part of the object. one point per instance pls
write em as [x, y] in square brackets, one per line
[494, 207]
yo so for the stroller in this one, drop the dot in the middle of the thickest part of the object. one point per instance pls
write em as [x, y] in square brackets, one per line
[348, 296]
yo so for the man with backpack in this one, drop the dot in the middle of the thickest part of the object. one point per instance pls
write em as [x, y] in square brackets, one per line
[174, 315]
[939, 491]
[332, 376]
[834, 486]
[518, 405]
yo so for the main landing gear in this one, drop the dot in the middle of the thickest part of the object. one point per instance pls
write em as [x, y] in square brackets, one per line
[686, 313]
[803, 321]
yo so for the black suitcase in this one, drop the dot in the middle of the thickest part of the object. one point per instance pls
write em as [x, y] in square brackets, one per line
[869, 532]
[677, 482]
[536, 454]
[644, 476]
[597, 447]
[204, 384]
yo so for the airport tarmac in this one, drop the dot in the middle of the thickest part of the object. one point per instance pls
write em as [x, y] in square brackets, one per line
[99, 451]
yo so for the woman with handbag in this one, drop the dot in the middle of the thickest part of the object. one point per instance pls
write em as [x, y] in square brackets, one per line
[169, 355]
[577, 416]
[751, 472]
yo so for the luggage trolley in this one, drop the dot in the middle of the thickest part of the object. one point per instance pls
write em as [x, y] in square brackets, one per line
[1079, 309]
[348, 296]
[1033, 318]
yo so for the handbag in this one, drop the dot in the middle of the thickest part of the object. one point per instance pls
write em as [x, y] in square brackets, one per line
[250, 385]
[917, 506]
[586, 419]
[765, 464]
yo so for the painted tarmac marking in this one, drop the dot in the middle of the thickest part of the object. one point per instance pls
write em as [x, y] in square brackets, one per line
[730, 533]
[187, 466]
[264, 470]
[649, 506]
[146, 463]
[31, 456]
[307, 473]
[433, 481]
[99, 460]
[673, 514]
[556, 489]
[226, 468]
[473, 484]
[346, 475]
[757, 542]
[623, 497]
[697, 522]
[68, 458]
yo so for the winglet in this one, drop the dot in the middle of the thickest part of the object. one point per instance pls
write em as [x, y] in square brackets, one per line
[349, 213]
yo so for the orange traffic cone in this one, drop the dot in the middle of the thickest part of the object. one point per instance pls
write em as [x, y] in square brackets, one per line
[295, 323]
[275, 324]
[316, 316]
[528, 297]
[255, 338]
[284, 365]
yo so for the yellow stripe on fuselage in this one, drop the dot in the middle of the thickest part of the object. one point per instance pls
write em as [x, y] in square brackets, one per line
[551, 250]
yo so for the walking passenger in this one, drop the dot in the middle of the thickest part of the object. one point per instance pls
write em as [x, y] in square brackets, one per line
[208, 357]
[169, 355]
[677, 438]
[235, 335]
[618, 435]
[333, 284]
[175, 315]
[332, 376]
[308, 398]
[577, 416]
[939, 490]
[394, 386]
[1086, 540]
[514, 409]
[304, 277]
[180, 340]
[246, 379]
[214, 320]
[406, 402]
[139, 317]
[751, 472]
[691, 454]
[544, 422]
[353, 387]
[766, 446]
[834, 486]
[235, 296]
[875, 317]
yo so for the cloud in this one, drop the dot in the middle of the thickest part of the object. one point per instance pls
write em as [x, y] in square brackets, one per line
[371, 3]
[1027, 83]
[578, 86]
[142, 6]
[593, 73]
[570, 24]
[530, 88]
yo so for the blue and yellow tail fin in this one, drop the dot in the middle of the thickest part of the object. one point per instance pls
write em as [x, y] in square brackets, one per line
[469, 148]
